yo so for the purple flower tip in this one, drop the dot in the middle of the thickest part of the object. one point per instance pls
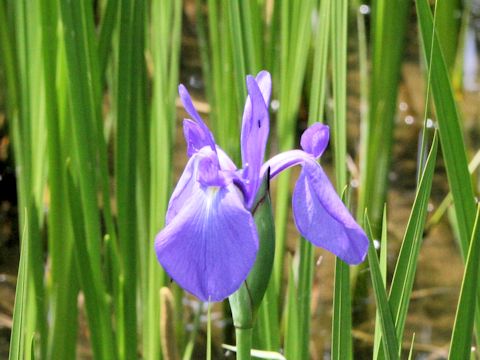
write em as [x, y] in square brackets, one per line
[315, 139]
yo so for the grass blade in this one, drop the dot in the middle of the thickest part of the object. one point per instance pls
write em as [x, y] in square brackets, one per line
[130, 83]
[295, 32]
[165, 33]
[402, 282]
[17, 337]
[64, 284]
[404, 275]
[316, 111]
[292, 350]
[383, 270]
[388, 27]
[461, 342]
[386, 319]
[450, 133]
[410, 354]
[342, 313]
[81, 64]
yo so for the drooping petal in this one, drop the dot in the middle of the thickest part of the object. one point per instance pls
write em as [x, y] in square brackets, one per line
[211, 245]
[255, 129]
[315, 139]
[283, 161]
[322, 218]
[199, 132]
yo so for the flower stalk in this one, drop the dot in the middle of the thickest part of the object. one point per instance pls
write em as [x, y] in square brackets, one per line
[245, 302]
[244, 343]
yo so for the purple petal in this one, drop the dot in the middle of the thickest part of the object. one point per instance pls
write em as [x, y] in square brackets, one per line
[255, 129]
[283, 161]
[264, 81]
[195, 137]
[225, 162]
[209, 173]
[211, 245]
[200, 132]
[183, 191]
[322, 218]
[315, 139]
[203, 166]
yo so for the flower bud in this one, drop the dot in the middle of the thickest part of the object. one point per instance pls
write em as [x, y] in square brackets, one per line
[245, 302]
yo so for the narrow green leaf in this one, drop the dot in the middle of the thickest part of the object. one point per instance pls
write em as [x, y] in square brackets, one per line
[410, 354]
[461, 342]
[316, 110]
[164, 42]
[292, 326]
[84, 99]
[305, 282]
[389, 21]
[383, 270]
[295, 33]
[451, 138]
[319, 73]
[129, 81]
[106, 33]
[187, 354]
[390, 341]
[405, 269]
[342, 313]
[448, 25]
[267, 325]
[95, 300]
[338, 42]
[17, 338]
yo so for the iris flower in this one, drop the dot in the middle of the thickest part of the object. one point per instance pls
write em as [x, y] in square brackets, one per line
[210, 241]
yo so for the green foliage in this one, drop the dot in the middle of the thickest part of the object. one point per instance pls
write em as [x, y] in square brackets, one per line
[462, 331]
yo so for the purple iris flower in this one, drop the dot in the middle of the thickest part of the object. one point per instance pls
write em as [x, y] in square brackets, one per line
[210, 241]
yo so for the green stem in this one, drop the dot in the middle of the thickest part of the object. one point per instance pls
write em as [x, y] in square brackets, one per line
[209, 332]
[244, 343]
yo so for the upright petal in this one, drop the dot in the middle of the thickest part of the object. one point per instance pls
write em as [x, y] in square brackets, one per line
[255, 129]
[211, 245]
[199, 132]
[195, 136]
[322, 218]
[264, 81]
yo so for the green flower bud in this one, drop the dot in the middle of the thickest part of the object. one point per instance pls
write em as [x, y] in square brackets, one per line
[245, 302]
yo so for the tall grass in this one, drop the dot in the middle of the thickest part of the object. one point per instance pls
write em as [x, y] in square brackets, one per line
[91, 108]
